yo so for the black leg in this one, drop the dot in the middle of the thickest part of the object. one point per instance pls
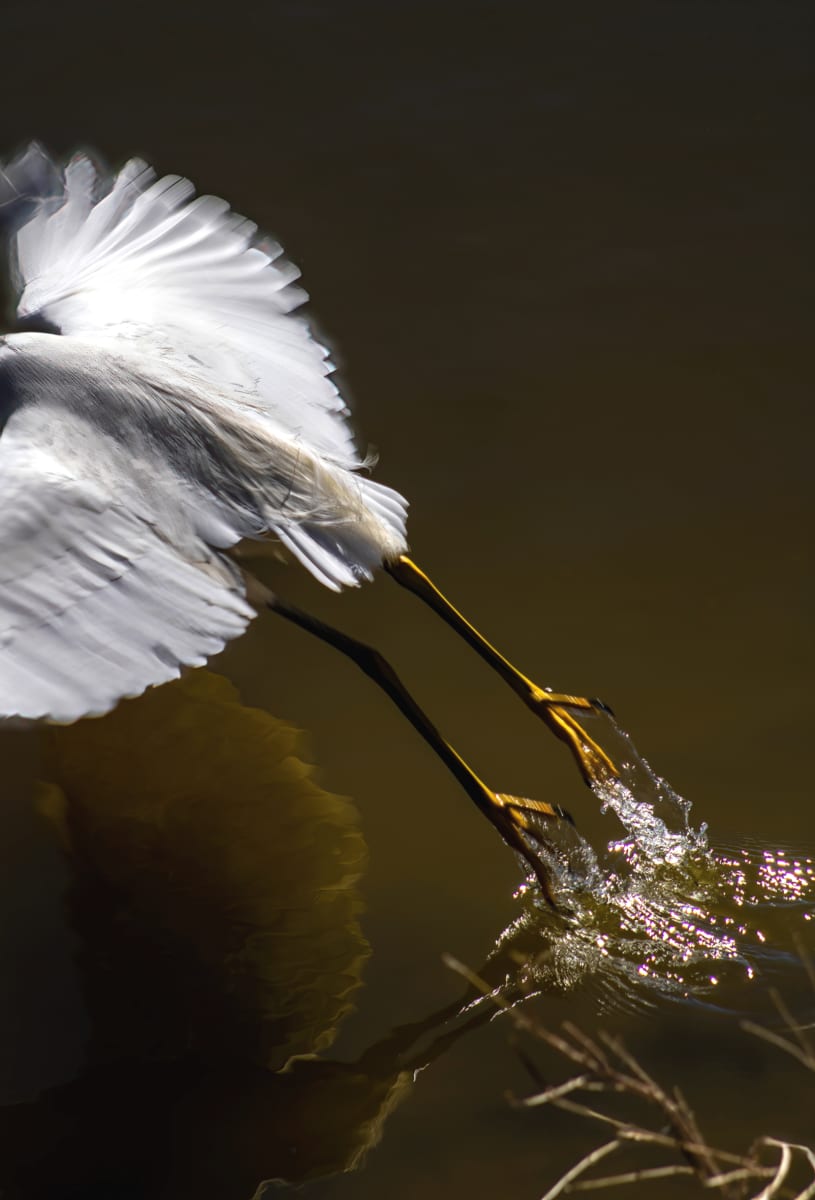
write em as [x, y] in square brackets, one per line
[506, 813]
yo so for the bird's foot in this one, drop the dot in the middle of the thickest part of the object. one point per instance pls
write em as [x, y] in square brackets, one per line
[518, 820]
[553, 708]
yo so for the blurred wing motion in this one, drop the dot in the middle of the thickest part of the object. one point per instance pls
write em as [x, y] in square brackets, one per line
[184, 410]
[94, 603]
[138, 261]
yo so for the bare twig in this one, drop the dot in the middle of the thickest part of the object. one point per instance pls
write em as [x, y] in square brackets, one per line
[775, 1039]
[781, 1171]
[633, 1177]
[563, 1184]
[605, 1065]
[785, 1161]
[557, 1093]
[806, 958]
[651, 1138]
[582, 1110]
[740, 1173]
[792, 1025]
[798, 1044]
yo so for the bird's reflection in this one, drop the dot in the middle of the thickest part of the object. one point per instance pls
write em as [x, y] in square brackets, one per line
[214, 895]
[212, 888]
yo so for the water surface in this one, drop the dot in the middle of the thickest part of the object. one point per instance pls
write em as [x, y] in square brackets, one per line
[564, 257]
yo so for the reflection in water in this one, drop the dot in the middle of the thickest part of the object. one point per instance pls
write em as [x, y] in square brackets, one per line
[206, 853]
[214, 893]
[178, 1128]
[661, 911]
[214, 897]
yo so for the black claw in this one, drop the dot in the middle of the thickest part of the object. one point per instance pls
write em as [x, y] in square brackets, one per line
[564, 814]
[606, 708]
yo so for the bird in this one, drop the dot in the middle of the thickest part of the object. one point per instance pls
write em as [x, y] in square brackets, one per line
[162, 404]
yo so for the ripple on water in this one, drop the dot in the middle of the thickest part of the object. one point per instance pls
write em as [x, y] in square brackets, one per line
[661, 912]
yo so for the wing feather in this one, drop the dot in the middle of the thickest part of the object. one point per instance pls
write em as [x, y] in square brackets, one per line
[139, 260]
[95, 604]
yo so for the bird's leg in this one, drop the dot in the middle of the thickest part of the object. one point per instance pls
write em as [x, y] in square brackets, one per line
[552, 707]
[512, 816]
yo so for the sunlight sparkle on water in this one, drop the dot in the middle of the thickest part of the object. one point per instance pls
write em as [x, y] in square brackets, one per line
[660, 907]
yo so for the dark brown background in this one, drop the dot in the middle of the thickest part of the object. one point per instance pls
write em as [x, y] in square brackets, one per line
[564, 254]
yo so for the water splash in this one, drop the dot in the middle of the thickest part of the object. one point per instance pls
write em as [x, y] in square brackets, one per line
[660, 912]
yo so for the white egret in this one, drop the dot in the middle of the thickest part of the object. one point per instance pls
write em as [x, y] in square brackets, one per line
[160, 406]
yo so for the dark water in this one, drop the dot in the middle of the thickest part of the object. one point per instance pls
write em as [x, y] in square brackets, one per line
[564, 254]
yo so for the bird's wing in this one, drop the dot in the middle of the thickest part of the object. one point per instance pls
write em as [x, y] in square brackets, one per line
[94, 603]
[138, 262]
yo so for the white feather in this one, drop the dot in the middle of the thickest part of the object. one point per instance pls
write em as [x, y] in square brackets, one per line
[183, 410]
[94, 603]
[149, 266]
